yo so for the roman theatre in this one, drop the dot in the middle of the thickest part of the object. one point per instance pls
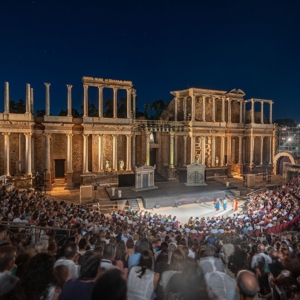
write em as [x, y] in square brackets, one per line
[222, 130]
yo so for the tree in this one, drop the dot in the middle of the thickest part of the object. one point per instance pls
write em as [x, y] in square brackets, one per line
[40, 112]
[17, 107]
[286, 122]
[158, 106]
[75, 113]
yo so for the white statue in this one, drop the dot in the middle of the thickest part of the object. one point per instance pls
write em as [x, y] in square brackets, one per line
[121, 165]
[217, 161]
[107, 164]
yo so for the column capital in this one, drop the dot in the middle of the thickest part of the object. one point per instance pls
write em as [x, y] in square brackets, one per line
[128, 135]
[69, 134]
[28, 133]
[69, 86]
[172, 133]
[47, 134]
[85, 134]
[100, 135]
[185, 137]
[115, 88]
[101, 87]
[6, 133]
[85, 86]
[133, 92]
[47, 84]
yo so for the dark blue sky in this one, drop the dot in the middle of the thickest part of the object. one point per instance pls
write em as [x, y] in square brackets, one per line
[160, 45]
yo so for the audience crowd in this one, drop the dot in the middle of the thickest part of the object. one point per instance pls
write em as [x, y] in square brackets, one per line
[66, 251]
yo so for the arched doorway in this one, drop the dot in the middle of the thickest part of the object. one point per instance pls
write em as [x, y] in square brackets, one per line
[280, 159]
[280, 162]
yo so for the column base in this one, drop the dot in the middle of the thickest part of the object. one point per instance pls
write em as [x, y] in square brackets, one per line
[69, 177]
[171, 173]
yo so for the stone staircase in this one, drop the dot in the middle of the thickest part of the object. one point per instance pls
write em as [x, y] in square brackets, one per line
[58, 184]
[133, 203]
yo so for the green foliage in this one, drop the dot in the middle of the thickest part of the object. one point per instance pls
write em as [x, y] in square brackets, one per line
[286, 122]
[17, 107]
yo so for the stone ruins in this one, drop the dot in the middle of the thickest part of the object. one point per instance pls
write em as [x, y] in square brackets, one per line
[219, 129]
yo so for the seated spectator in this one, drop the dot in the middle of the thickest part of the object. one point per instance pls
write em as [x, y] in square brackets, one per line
[142, 281]
[247, 285]
[109, 254]
[82, 287]
[134, 259]
[105, 286]
[3, 235]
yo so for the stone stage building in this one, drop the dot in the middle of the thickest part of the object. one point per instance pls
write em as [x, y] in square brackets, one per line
[219, 129]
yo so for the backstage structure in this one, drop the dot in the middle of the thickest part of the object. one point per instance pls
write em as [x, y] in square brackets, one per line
[220, 129]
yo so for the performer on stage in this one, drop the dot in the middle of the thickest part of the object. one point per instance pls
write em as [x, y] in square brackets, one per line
[236, 206]
[233, 204]
[225, 203]
[217, 205]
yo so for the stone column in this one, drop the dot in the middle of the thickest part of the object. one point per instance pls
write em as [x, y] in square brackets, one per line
[270, 117]
[229, 150]
[115, 154]
[176, 150]
[20, 154]
[184, 149]
[48, 152]
[128, 152]
[32, 153]
[6, 97]
[69, 153]
[31, 102]
[85, 100]
[28, 170]
[270, 155]
[6, 154]
[261, 149]
[252, 111]
[222, 151]
[128, 106]
[213, 151]
[240, 150]
[203, 144]
[192, 149]
[69, 100]
[47, 99]
[115, 102]
[241, 111]
[171, 165]
[213, 109]
[100, 152]
[244, 111]
[184, 108]
[175, 109]
[203, 110]
[85, 153]
[262, 112]
[193, 107]
[223, 109]
[251, 149]
[229, 110]
[100, 100]
[148, 148]
[133, 103]
[133, 150]
[28, 101]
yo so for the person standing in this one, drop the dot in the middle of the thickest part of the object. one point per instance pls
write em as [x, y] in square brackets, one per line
[217, 205]
[225, 203]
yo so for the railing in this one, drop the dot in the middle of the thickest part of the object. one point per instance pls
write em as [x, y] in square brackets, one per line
[110, 207]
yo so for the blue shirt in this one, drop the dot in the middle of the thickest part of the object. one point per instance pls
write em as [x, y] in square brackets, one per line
[134, 260]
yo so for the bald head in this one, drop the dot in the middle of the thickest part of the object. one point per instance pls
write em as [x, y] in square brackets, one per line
[261, 248]
[247, 283]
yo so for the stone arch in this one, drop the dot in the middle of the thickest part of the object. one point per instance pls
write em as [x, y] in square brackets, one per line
[279, 156]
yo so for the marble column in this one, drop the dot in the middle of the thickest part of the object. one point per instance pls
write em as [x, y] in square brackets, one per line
[148, 148]
[193, 107]
[270, 154]
[31, 101]
[128, 152]
[20, 165]
[100, 100]
[261, 150]
[229, 110]
[184, 108]
[241, 111]
[128, 106]
[85, 153]
[69, 100]
[133, 150]
[192, 149]
[85, 100]
[100, 152]
[228, 150]
[28, 170]
[262, 112]
[69, 153]
[252, 111]
[32, 153]
[28, 101]
[176, 150]
[47, 99]
[203, 152]
[222, 151]
[203, 108]
[175, 108]
[213, 151]
[115, 152]
[244, 111]
[48, 152]
[115, 102]
[213, 109]
[271, 113]
[240, 150]
[133, 104]
[171, 165]
[6, 154]
[251, 149]
[184, 149]
[223, 109]
[6, 97]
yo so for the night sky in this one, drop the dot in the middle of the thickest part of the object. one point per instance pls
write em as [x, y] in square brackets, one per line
[160, 45]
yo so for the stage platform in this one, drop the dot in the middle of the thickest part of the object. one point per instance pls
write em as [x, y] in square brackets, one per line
[173, 194]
